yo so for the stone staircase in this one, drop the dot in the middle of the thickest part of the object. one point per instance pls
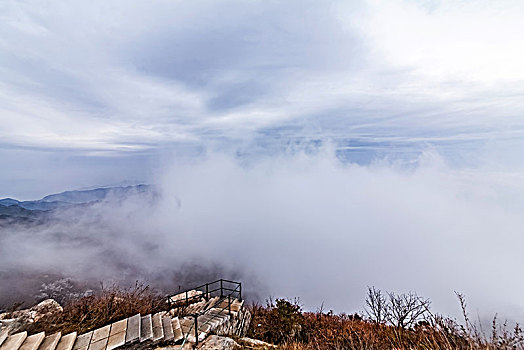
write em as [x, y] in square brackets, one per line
[189, 321]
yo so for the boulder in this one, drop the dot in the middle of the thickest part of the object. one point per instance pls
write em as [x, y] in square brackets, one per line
[18, 320]
[214, 342]
[255, 344]
[45, 308]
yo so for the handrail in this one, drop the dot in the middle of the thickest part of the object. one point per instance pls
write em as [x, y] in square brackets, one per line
[232, 292]
[222, 288]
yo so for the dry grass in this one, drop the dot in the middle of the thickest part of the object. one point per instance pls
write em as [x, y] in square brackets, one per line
[284, 324]
[101, 308]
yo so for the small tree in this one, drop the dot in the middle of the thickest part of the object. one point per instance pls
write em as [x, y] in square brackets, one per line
[401, 311]
[376, 306]
[406, 309]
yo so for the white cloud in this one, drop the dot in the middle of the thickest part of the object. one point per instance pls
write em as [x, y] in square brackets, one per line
[307, 226]
[474, 41]
[97, 75]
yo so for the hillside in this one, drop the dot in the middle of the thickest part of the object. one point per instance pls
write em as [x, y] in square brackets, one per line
[15, 210]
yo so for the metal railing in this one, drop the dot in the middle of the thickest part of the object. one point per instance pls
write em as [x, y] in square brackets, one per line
[209, 290]
[222, 288]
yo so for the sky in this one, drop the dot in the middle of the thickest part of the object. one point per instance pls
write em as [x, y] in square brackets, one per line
[414, 109]
[94, 93]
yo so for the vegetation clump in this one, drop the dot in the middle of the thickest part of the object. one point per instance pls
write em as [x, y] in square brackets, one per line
[101, 308]
[390, 321]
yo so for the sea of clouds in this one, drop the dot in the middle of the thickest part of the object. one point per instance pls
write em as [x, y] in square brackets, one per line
[299, 225]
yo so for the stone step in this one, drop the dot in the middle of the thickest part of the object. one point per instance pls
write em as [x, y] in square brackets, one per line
[3, 335]
[237, 305]
[117, 335]
[82, 341]
[211, 302]
[224, 313]
[99, 338]
[133, 329]
[67, 342]
[100, 334]
[167, 326]
[177, 329]
[186, 323]
[98, 345]
[50, 342]
[158, 330]
[196, 307]
[13, 342]
[201, 336]
[188, 328]
[32, 342]
[191, 294]
[204, 327]
[212, 320]
[146, 328]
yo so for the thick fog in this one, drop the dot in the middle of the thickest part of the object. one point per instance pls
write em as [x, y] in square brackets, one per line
[301, 225]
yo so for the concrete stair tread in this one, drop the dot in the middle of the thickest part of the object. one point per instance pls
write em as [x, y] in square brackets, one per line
[158, 330]
[82, 341]
[187, 324]
[191, 337]
[134, 324]
[50, 342]
[213, 320]
[116, 340]
[99, 344]
[100, 334]
[234, 307]
[146, 328]
[206, 317]
[66, 342]
[219, 312]
[237, 305]
[167, 326]
[211, 303]
[186, 321]
[204, 326]
[13, 342]
[4, 332]
[177, 329]
[192, 294]
[117, 335]
[32, 342]
[195, 308]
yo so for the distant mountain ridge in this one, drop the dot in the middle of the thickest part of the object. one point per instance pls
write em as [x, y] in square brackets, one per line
[71, 198]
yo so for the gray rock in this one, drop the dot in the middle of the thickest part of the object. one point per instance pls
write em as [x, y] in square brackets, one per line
[18, 320]
[255, 343]
[215, 342]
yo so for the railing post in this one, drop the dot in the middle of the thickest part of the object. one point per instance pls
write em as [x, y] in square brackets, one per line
[221, 289]
[196, 329]
[229, 304]
[207, 291]
[240, 292]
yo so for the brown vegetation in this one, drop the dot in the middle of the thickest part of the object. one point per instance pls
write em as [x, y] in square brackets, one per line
[104, 307]
[393, 322]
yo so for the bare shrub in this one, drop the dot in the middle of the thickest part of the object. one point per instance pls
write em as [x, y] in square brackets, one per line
[405, 310]
[399, 310]
[376, 306]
